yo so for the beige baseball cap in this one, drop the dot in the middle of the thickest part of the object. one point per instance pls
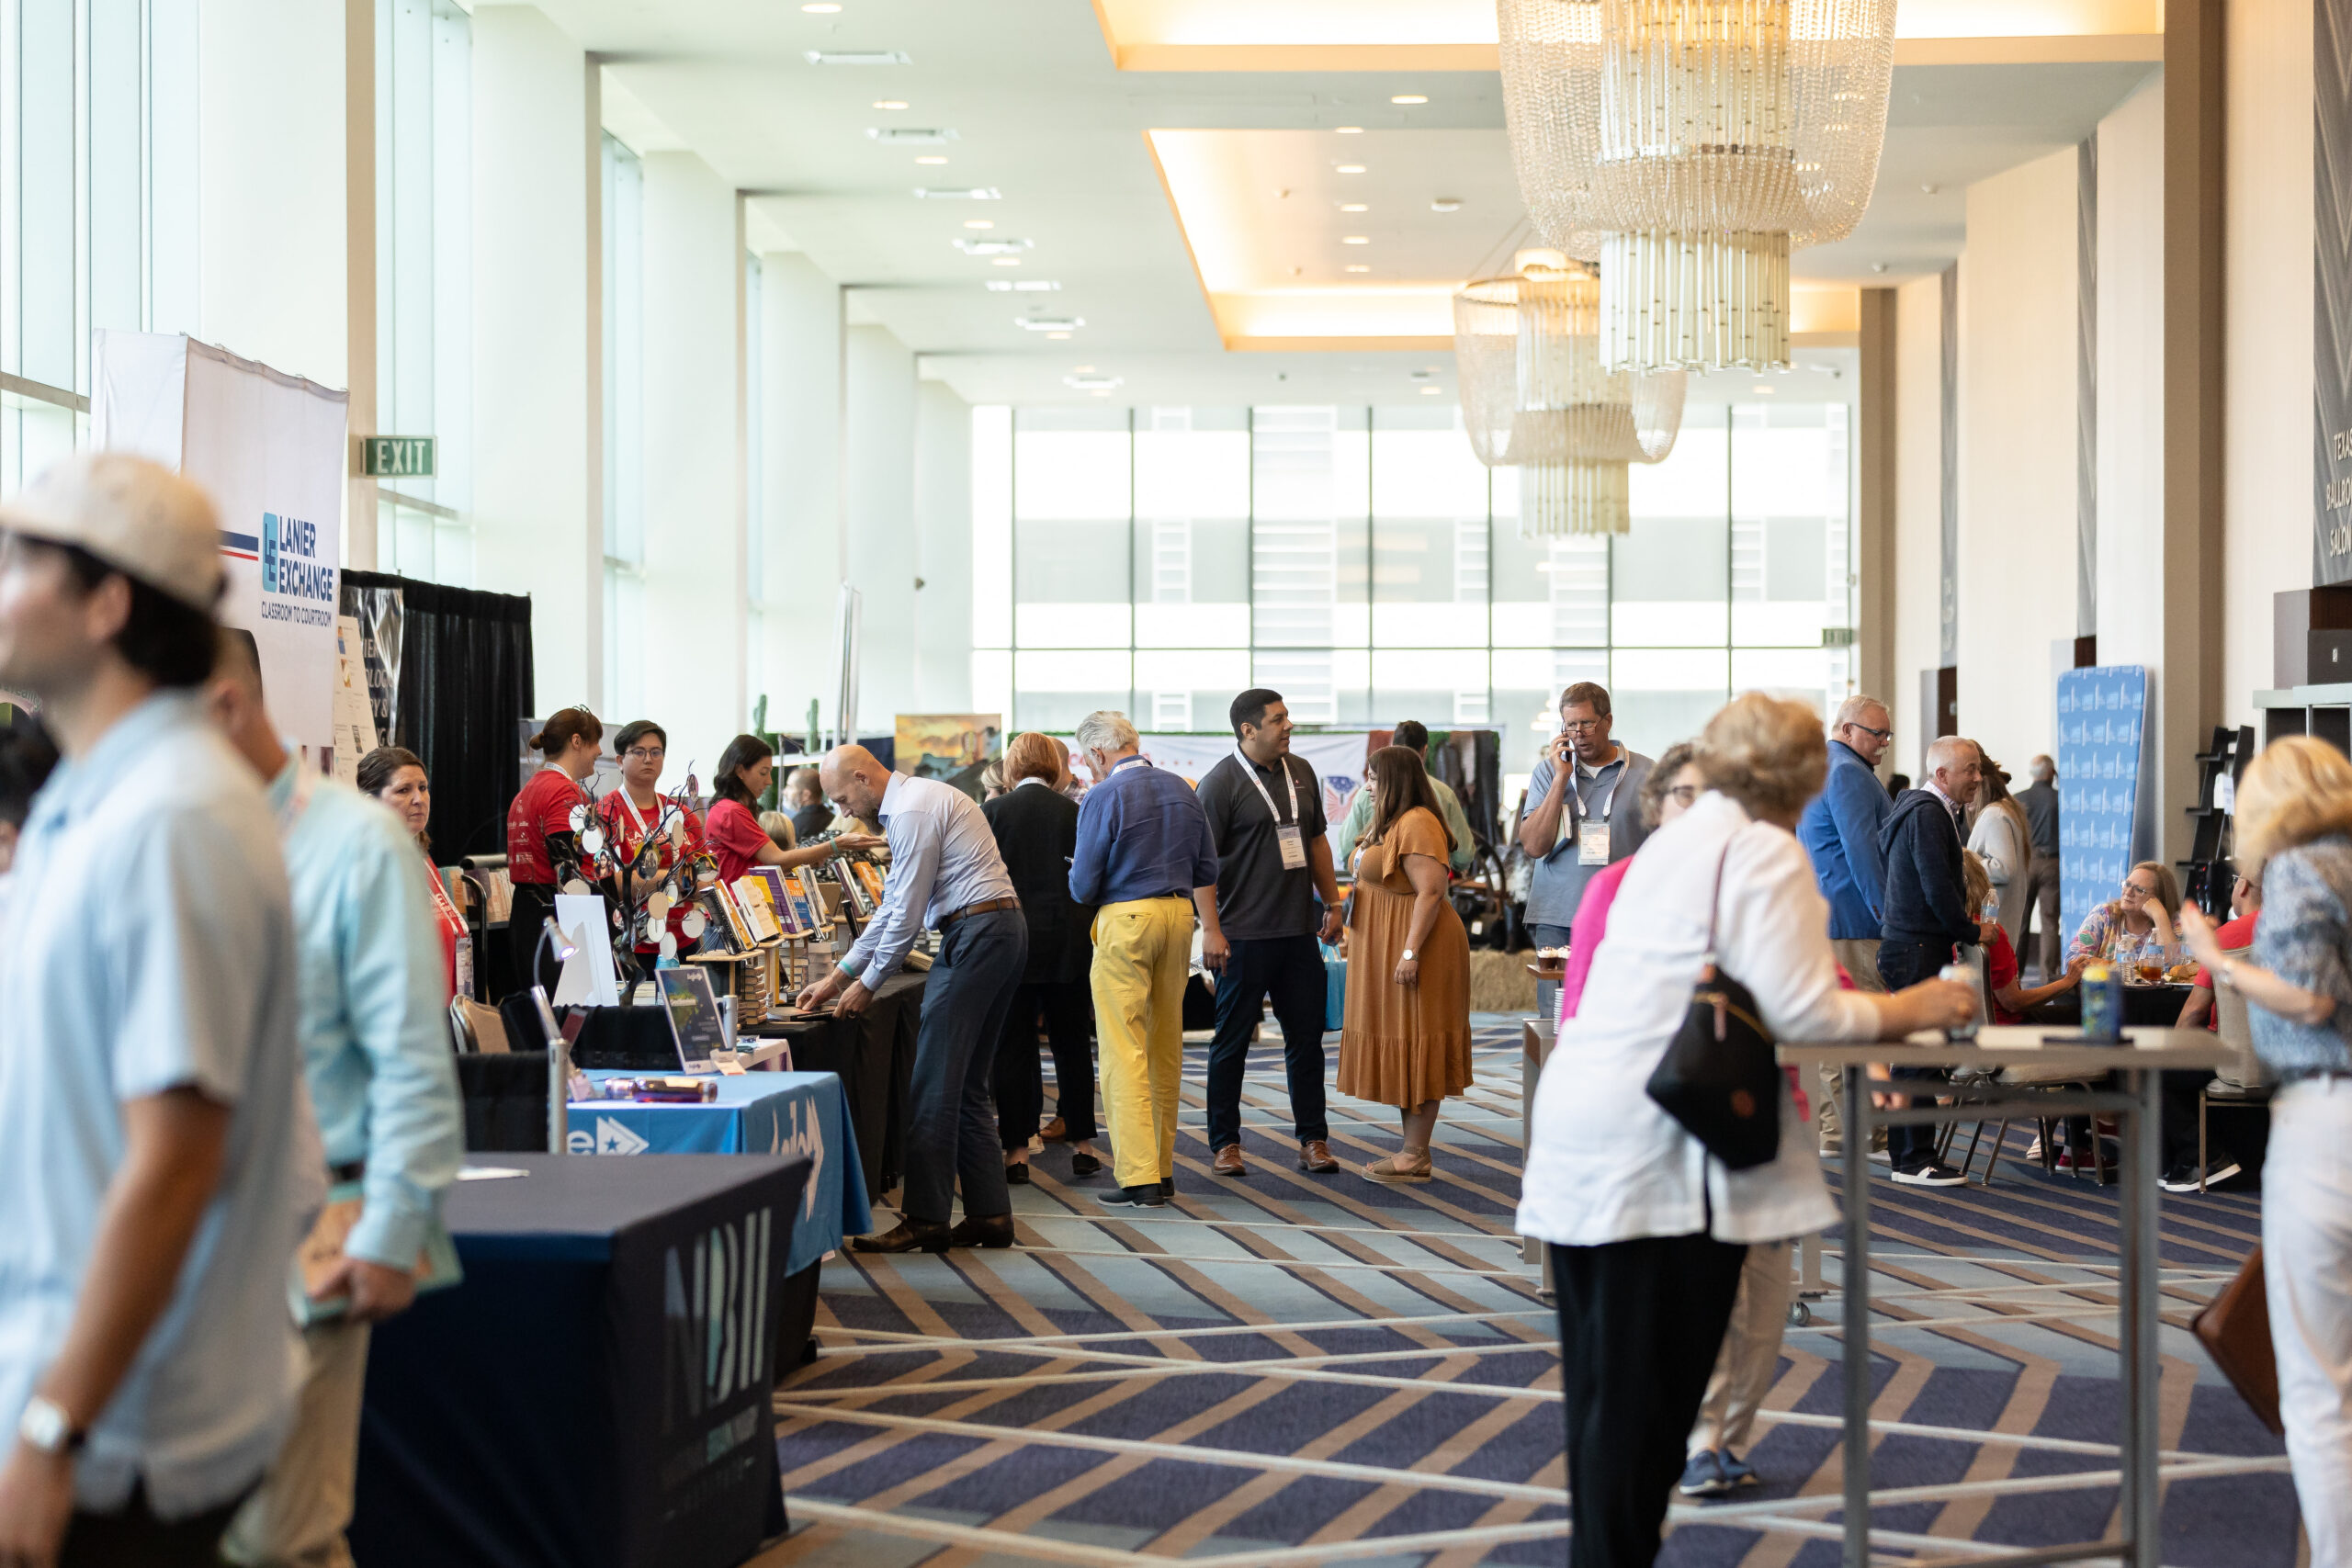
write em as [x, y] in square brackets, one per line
[133, 514]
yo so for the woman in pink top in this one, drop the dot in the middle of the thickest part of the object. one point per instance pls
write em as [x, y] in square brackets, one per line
[1672, 784]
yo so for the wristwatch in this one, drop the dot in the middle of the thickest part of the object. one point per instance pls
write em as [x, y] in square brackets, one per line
[47, 1429]
[1405, 956]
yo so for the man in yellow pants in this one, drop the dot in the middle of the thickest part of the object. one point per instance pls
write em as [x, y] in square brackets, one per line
[1144, 852]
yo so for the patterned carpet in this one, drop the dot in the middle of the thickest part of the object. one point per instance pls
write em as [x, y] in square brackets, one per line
[1294, 1369]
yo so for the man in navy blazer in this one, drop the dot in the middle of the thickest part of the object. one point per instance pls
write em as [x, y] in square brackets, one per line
[1927, 914]
[1839, 831]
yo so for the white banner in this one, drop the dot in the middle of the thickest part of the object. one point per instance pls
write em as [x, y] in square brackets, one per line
[1337, 758]
[269, 447]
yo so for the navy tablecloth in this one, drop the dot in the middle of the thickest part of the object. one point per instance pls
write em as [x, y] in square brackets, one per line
[596, 1394]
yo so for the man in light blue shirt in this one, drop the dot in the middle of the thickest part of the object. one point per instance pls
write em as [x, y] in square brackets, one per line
[376, 1054]
[1412, 733]
[945, 873]
[150, 1119]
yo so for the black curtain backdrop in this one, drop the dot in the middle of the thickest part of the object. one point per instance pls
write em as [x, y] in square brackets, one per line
[464, 686]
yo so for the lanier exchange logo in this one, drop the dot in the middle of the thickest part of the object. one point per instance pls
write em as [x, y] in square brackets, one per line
[291, 570]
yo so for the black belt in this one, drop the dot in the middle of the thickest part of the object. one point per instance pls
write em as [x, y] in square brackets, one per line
[982, 908]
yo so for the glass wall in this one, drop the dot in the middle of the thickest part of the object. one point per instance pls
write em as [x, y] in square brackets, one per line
[1362, 563]
[423, 281]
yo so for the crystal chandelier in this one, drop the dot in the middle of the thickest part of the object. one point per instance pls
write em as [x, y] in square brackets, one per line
[1688, 145]
[1534, 396]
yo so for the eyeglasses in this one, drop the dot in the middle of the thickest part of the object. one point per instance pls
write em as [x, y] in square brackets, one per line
[1866, 730]
[644, 755]
[1683, 794]
[1580, 726]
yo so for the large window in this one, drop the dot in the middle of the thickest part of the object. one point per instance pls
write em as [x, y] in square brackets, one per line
[423, 281]
[1361, 562]
[624, 380]
[97, 203]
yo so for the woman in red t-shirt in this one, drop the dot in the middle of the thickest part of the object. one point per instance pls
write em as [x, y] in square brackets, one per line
[396, 776]
[637, 808]
[737, 840]
[543, 848]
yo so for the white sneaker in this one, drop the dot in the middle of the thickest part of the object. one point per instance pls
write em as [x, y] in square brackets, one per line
[1932, 1174]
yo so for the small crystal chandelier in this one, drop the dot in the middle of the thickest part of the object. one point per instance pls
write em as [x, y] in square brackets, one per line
[1534, 396]
[1688, 145]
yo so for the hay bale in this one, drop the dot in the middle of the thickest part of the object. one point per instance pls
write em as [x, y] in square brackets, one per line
[1499, 981]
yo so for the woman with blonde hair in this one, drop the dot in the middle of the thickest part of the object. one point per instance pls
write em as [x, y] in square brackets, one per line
[2136, 927]
[2002, 840]
[2294, 833]
[1648, 1230]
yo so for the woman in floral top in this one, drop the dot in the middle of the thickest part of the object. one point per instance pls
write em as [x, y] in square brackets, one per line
[2137, 927]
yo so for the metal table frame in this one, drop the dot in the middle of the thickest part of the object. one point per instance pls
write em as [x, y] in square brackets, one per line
[2136, 1066]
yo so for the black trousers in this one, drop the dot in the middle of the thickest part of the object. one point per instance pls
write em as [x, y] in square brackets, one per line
[1641, 1323]
[132, 1534]
[1290, 969]
[1901, 963]
[1066, 1008]
[533, 902]
[2178, 1124]
[951, 1120]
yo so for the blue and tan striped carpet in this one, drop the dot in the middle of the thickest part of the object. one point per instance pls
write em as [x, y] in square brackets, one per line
[1292, 1369]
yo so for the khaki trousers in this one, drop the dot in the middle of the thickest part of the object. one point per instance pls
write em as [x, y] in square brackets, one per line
[1859, 956]
[1143, 951]
[1751, 1354]
[296, 1518]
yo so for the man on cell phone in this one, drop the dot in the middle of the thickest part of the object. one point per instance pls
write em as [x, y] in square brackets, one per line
[1572, 832]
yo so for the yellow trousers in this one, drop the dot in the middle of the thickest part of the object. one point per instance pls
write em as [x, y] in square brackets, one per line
[1143, 950]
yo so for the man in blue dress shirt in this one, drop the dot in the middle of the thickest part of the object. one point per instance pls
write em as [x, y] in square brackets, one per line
[945, 873]
[1839, 831]
[375, 1039]
[1144, 854]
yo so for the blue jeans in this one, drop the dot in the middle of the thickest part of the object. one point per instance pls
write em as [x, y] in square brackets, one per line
[951, 1120]
[1548, 992]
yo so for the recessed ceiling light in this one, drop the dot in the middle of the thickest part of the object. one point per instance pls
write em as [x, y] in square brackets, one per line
[890, 103]
[1351, 168]
[1445, 204]
[1347, 130]
[1359, 268]
[1432, 391]
[1085, 382]
[978, 223]
[1008, 261]
[1763, 390]
[951, 193]
[1021, 286]
[911, 135]
[820, 8]
[1081, 370]
[1355, 239]
[1353, 207]
[933, 159]
[1410, 98]
[1056, 337]
[858, 57]
[1049, 323]
[972, 247]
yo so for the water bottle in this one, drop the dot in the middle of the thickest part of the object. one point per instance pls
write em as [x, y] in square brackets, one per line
[1965, 975]
[2102, 988]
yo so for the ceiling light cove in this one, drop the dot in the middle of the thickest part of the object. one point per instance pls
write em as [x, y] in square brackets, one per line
[1094, 383]
[1355, 239]
[978, 223]
[857, 56]
[911, 135]
[890, 103]
[1410, 98]
[1008, 261]
[1348, 168]
[932, 160]
[1021, 286]
[1353, 207]
[972, 247]
[1064, 324]
[968, 193]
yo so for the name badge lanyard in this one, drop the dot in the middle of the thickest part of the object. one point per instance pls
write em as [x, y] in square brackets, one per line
[1590, 828]
[1287, 835]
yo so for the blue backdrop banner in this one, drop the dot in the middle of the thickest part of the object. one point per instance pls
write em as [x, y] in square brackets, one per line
[2102, 759]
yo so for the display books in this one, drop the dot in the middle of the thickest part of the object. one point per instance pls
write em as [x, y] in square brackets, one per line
[869, 878]
[738, 926]
[772, 881]
[759, 914]
[722, 923]
[807, 912]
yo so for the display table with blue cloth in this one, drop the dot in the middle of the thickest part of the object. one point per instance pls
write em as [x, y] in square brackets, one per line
[596, 1394]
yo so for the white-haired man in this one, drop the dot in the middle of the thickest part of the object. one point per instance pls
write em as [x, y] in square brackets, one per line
[946, 872]
[1144, 855]
[1928, 912]
[1839, 831]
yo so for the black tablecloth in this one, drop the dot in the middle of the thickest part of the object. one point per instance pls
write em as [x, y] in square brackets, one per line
[596, 1394]
[875, 1056]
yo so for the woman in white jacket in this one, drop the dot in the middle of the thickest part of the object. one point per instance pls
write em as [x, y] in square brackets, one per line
[2004, 842]
[1647, 1231]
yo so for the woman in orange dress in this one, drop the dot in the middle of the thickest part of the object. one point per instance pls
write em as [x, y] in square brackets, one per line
[1406, 1041]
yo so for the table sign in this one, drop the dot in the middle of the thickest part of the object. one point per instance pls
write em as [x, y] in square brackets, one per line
[695, 1023]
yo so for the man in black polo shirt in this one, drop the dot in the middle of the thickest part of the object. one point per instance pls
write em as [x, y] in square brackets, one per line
[1265, 809]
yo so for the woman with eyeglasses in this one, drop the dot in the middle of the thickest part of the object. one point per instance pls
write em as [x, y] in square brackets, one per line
[2136, 927]
[737, 840]
[637, 810]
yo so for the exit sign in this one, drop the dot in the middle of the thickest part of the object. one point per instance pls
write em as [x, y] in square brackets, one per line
[396, 457]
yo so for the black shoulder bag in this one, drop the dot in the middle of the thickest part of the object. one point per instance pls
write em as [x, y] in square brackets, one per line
[1719, 1078]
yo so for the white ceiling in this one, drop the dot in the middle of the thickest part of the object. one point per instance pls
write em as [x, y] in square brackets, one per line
[1042, 115]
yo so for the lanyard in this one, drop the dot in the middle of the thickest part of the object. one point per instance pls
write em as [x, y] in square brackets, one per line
[1290, 783]
[441, 901]
[1600, 808]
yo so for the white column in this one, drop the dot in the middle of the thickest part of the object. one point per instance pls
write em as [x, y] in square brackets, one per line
[944, 559]
[800, 346]
[359, 253]
[879, 475]
[694, 531]
[537, 498]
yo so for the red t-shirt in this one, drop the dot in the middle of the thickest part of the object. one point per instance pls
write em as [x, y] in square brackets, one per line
[2001, 970]
[2234, 934]
[541, 809]
[625, 831]
[735, 837]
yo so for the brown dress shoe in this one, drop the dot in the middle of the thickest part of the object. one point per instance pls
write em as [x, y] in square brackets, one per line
[1228, 1161]
[1314, 1156]
[1053, 1132]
